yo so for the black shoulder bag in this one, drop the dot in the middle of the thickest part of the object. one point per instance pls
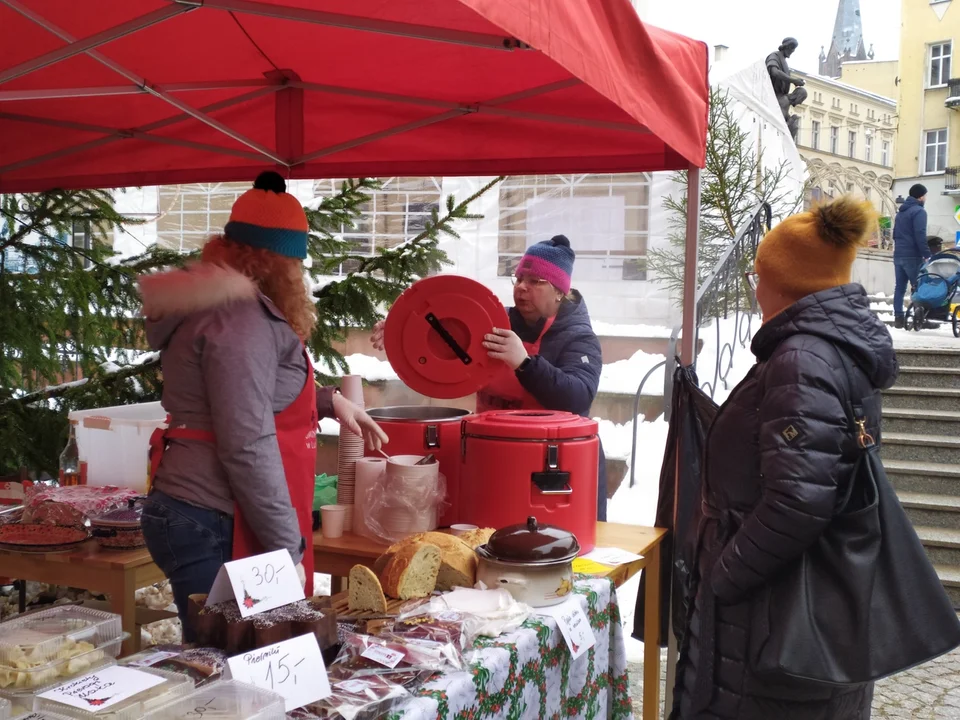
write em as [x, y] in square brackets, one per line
[864, 602]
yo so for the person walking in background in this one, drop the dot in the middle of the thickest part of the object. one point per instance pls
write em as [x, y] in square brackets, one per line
[910, 247]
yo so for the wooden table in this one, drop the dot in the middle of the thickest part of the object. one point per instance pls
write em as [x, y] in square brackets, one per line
[117, 573]
[337, 556]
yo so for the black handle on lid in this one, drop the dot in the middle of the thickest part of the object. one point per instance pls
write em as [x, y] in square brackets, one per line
[532, 524]
[449, 339]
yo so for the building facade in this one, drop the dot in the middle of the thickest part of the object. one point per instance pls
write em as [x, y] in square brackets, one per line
[848, 140]
[929, 111]
[875, 76]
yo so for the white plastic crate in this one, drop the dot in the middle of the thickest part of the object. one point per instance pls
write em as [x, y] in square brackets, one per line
[114, 442]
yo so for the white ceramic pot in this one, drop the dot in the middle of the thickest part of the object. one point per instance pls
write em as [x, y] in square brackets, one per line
[533, 562]
[535, 585]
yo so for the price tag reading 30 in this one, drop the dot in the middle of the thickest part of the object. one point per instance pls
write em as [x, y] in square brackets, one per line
[259, 583]
[293, 668]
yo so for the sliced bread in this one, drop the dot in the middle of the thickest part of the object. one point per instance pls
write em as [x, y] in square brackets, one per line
[411, 572]
[476, 538]
[365, 593]
[458, 561]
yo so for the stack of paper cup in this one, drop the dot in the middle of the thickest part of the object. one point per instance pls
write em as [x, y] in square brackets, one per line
[369, 475]
[411, 495]
[350, 450]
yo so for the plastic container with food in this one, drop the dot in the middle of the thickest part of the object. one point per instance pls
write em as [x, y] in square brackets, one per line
[5, 709]
[40, 638]
[172, 687]
[120, 529]
[224, 700]
[40, 716]
[24, 699]
[73, 658]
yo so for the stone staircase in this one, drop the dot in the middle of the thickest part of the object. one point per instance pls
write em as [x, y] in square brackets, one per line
[921, 453]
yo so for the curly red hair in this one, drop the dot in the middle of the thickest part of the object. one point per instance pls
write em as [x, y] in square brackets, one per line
[278, 277]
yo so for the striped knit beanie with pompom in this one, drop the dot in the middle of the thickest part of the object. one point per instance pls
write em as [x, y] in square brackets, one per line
[270, 218]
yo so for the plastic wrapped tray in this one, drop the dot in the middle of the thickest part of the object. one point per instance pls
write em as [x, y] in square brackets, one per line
[40, 716]
[23, 699]
[37, 639]
[173, 688]
[224, 700]
[66, 666]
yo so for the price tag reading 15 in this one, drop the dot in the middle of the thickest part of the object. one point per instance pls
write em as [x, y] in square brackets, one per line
[258, 583]
[293, 668]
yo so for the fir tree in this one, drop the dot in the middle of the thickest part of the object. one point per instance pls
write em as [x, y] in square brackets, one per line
[733, 183]
[69, 330]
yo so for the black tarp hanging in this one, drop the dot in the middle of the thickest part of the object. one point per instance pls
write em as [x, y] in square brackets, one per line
[692, 412]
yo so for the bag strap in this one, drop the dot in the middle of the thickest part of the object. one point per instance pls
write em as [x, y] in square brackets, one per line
[854, 408]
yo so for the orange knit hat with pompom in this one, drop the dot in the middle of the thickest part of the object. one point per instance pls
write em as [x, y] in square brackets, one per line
[815, 250]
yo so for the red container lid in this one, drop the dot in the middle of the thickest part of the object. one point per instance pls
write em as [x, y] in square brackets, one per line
[529, 425]
[434, 336]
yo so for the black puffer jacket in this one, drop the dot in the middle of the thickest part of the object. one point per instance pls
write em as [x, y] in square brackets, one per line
[776, 454]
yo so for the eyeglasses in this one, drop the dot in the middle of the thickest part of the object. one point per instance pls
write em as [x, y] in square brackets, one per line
[752, 280]
[530, 281]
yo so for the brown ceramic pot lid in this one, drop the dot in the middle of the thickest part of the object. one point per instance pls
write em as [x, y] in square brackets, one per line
[531, 543]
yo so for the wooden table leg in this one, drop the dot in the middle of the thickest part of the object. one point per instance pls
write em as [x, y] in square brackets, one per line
[122, 592]
[651, 637]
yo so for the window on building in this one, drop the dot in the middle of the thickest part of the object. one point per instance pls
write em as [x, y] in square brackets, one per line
[834, 139]
[849, 187]
[935, 151]
[867, 192]
[939, 70]
[885, 153]
[854, 109]
[815, 134]
[868, 147]
[607, 214]
[852, 143]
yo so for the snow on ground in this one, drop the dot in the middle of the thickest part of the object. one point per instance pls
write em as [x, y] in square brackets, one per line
[941, 338]
[643, 331]
[624, 376]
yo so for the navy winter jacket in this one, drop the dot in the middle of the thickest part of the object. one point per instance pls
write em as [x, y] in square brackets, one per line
[565, 374]
[910, 232]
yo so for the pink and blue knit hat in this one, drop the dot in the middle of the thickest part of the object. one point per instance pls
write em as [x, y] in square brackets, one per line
[551, 260]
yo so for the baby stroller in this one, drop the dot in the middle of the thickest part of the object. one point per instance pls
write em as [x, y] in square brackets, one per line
[935, 297]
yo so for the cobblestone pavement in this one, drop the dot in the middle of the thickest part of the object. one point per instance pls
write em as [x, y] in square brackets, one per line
[928, 692]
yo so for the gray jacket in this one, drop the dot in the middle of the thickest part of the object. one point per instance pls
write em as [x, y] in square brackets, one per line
[230, 362]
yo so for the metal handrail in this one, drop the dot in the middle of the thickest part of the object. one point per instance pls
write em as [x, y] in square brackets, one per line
[722, 293]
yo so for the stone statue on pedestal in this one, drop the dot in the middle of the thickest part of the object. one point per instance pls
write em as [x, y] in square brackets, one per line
[779, 72]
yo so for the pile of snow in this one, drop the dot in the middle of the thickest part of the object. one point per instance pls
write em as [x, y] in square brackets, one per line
[624, 376]
[603, 329]
[369, 368]
[941, 338]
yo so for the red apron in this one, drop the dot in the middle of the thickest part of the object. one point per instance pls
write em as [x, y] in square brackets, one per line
[505, 391]
[297, 437]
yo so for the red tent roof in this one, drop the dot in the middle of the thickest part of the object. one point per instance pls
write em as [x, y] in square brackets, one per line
[146, 92]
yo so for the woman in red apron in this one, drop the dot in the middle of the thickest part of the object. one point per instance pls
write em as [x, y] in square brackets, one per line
[550, 350]
[233, 475]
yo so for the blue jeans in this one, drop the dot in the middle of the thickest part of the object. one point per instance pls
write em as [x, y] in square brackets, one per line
[907, 271]
[189, 544]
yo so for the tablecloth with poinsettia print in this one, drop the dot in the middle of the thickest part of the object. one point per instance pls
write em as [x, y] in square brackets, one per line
[529, 673]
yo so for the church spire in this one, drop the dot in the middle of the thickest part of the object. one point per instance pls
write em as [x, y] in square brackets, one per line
[847, 42]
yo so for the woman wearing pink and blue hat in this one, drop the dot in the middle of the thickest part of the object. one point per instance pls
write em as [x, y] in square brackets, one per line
[552, 355]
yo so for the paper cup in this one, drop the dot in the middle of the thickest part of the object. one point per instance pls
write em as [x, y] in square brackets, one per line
[351, 387]
[462, 529]
[332, 519]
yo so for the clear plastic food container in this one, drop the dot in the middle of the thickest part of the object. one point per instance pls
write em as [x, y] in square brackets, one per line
[37, 639]
[73, 658]
[23, 700]
[224, 700]
[174, 687]
[40, 716]
[5, 710]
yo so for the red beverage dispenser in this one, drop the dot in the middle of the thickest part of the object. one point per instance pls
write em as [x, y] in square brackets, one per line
[426, 430]
[522, 463]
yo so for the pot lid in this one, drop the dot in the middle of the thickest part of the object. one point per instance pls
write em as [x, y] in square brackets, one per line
[531, 542]
[530, 425]
[434, 336]
[127, 517]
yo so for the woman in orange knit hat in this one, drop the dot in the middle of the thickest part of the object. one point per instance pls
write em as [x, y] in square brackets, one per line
[778, 457]
[233, 476]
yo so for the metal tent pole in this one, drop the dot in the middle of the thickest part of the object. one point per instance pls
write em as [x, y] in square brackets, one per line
[688, 341]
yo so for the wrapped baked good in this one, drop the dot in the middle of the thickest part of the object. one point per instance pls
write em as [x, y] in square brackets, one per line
[391, 651]
[203, 665]
[74, 505]
[365, 698]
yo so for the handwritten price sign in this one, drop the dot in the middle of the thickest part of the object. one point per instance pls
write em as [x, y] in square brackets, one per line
[259, 583]
[574, 625]
[293, 668]
[103, 689]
